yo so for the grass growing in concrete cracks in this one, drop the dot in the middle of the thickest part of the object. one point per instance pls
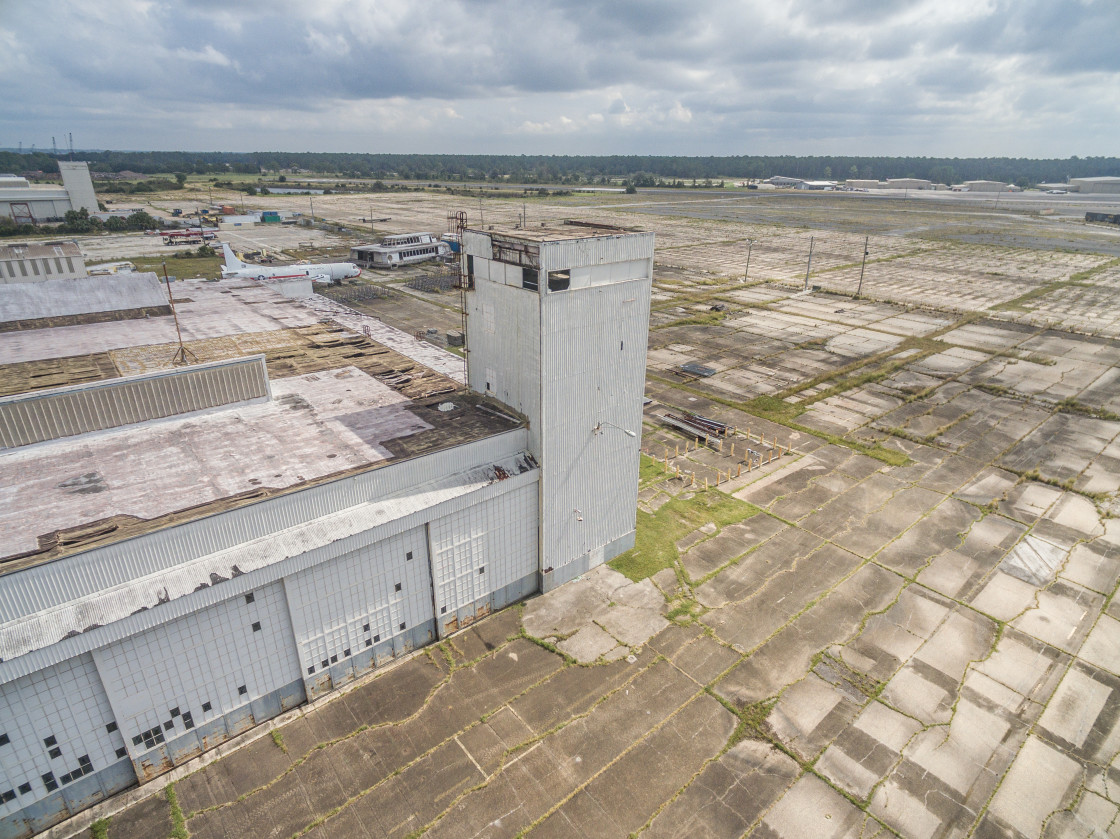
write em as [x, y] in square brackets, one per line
[655, 545]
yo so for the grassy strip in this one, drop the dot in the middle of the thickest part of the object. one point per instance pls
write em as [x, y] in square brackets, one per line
[178, 823]
[1078, 280]
[99, 829]
[651, 470]
[655, 545]
[190, 266]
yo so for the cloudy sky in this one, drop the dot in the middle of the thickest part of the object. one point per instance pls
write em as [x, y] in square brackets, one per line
[1033, 78]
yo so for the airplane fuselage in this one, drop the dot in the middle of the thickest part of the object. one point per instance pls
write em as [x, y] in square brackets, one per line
[320, 272]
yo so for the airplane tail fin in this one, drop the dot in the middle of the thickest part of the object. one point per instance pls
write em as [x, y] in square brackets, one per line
[232, 262]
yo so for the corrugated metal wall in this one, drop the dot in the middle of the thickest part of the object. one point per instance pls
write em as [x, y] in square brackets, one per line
[66, 412]
[593, 347]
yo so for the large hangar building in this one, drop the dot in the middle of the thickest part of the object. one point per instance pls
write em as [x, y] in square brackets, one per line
[26, 203]
[191, 550]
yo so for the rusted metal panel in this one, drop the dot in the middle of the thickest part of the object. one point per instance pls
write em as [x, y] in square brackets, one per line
[318, 686]
[238, 720]
[152, 764]
[515, 251]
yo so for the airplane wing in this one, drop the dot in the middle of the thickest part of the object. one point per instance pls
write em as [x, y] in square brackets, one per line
[320, 278]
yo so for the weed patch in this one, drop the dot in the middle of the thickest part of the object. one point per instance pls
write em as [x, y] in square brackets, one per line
[655, 544]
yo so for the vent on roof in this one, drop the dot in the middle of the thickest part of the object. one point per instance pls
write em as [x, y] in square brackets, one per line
[29, 418]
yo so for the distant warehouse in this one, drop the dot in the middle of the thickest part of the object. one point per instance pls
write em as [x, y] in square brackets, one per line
[1098, 186]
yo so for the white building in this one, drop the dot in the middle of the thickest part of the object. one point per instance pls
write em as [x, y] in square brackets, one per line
[196, 549]
[27, 203]
[37, 262]
[988, 186]
[401, 249]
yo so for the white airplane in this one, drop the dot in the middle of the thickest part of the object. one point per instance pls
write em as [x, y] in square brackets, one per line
[322, 272]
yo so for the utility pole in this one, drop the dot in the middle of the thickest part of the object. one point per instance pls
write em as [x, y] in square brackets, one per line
[311, 198]
[747, 271]
[809, 267]
[862, 266]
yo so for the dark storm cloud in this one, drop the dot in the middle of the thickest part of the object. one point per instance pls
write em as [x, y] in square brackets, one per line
[857, 76]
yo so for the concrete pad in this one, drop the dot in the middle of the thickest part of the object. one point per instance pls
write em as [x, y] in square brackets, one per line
[640, 595]
[612, 803]
[587, 644]
[1102, 648]
[1063, 616]
[1004, 597]
[799, 718]
[961, 755]
[1074, 708]
[916, 693]
[1095, 566]
[729, 795]
[1026, 666]
[1040, 781]
[1034, 561]
[667, 582]
[632, 627]
[704, 659]
[150, 817]
[812, 808]
[564, 610]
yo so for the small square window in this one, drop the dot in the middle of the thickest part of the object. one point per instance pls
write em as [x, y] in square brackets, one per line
[188, 720]
[111, 727]
[55, 752]
[482, 569]
[256, 626]
[311, 670]
[408, 556]
[4, 739]
[443, 610]
[334, 659]
[241, 691]
[365, 628]
[170, 724]
[174, 712]
[249, 598]
[346, 653]
[369, 643]
[85, 761]
[157, 737]
[7, 796]
[137, 739]
[65, 779]
[24, 788]
[324, 664]
[397, 587]
[49, 782]
[122, 751]
[50, 741]
[205, 707]
[402, 626]
[376, 638]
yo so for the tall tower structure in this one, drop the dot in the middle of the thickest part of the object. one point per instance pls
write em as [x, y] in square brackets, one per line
[557, 327]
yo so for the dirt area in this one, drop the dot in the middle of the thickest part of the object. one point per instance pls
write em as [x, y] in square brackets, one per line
[890, 610]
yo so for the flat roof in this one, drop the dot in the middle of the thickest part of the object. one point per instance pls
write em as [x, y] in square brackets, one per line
[553, 232]
[342, 402]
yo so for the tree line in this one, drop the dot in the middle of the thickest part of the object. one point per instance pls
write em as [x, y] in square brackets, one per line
[577, 169]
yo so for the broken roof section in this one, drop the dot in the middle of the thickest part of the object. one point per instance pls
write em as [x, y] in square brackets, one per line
[341, 403]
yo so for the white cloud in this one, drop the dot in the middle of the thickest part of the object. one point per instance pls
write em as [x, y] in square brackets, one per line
[935, 77]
